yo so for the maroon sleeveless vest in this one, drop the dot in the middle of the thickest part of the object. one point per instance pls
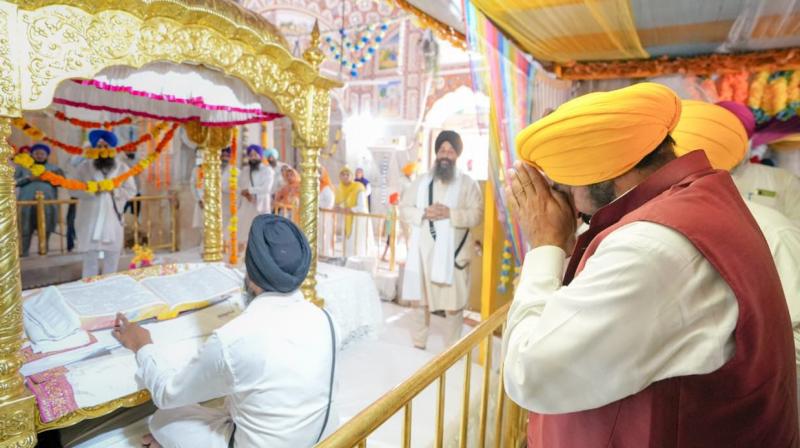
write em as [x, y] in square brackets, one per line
[751, 400]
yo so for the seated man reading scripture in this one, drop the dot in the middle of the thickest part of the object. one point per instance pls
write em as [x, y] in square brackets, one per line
[274, 364]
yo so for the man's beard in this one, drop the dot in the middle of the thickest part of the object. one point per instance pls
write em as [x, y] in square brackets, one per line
[255, 165]
[444, 170]
[600, 194]
[42, 162]
[273, 163]
[105, 164]
[248, 295]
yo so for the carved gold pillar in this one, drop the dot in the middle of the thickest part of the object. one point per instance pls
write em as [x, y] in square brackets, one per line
[309, 211]
[212, 205]
[213, 246]
[211, 141]
[16, 403]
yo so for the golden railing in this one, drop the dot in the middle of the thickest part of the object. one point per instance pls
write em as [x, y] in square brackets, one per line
[328, 245]
[509, 425]
[145, 223]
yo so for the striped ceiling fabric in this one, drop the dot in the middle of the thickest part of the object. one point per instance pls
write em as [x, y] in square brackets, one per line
[599, 30]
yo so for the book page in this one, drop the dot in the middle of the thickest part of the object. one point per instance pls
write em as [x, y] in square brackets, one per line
[202, 285]
[108, 297]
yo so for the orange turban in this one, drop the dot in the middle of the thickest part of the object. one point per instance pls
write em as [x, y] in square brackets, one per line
[409, 168]
[600, 136]
[714, 129]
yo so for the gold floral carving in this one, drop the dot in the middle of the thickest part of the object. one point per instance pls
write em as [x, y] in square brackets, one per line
[66, 42]
[10, 288]
[226, 17]
[16, 424]
[82, 414]
[769, 60]
[309, 211]
[9, 84]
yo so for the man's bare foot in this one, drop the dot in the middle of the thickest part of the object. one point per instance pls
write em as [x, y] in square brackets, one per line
[148, 441]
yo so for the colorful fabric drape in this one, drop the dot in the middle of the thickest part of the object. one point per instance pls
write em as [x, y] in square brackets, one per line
[505, 74]
[566, 30]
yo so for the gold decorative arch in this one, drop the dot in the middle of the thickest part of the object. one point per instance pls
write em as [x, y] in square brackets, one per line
[44, 42]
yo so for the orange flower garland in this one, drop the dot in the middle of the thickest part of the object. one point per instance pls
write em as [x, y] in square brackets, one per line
[26, 161]
[233, 183]
[92, 124]
[36, 134]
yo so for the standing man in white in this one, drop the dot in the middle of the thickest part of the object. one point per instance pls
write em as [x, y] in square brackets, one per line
[256, 181]
[274, 364]
[99, 218]
[440, 208]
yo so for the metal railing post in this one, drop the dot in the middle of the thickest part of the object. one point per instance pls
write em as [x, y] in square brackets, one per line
[41, 224]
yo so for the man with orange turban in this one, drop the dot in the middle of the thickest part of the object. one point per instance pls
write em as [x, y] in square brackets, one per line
[720, 133]
[669, 326]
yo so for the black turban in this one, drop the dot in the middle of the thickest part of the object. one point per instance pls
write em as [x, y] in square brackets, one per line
[449, 136]
[278, 255]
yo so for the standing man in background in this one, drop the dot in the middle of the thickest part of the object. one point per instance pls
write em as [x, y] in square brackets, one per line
[440, 208]
[256, 182]
[29, 185]
[99, 217]
[363, 181]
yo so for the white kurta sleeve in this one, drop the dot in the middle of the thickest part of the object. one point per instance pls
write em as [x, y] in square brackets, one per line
[469, 212]
[198, 192]
[262, 181]
[409, 212]
[791, 199]
[125, 192]
[207, 376]
[647, 306]
[361, 203]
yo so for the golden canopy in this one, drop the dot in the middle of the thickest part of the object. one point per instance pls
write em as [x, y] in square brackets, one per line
[45, 42]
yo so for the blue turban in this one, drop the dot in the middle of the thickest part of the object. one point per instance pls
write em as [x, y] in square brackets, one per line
[257, 149]
[228, 149]
[39, 146]
[278, 255]
[101, 134]
[272, 152]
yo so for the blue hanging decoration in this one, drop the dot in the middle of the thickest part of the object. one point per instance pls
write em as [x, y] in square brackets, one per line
[361, 49]
[505, 267]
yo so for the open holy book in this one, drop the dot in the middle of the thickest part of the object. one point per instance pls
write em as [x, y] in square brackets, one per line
[96, 304]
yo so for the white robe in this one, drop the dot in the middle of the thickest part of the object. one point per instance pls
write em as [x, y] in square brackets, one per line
[260, 185]
[327, 200]
[783, 239]
[467, 214]
[98, 226]
[361, 241]
[273, 366]
[774, 187]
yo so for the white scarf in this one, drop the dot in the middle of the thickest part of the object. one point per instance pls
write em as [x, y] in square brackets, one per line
[443, 260]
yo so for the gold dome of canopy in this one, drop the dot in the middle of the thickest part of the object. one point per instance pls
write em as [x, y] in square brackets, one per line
[225, 16]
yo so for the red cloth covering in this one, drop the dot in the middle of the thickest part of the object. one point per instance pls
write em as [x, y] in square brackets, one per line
[751, 400]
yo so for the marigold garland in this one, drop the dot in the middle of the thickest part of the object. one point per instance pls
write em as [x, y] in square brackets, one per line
[90, 153]
[92, 124]
[26, 161]
[233, 184]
